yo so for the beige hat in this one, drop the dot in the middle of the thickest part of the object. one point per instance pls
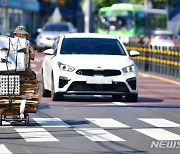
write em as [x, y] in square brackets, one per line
[21, 30]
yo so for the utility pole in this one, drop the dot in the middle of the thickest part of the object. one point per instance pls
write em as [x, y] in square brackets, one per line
[87, 13]
[147, 4]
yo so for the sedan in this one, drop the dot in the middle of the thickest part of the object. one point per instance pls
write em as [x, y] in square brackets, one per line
[90, 64]
[50, 32]
[163, 38]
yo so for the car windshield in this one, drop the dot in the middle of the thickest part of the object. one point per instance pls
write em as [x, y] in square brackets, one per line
[100, 46]
[164, 36]
[56, 27]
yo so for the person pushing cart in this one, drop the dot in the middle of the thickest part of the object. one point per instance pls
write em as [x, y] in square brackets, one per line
[19, 87]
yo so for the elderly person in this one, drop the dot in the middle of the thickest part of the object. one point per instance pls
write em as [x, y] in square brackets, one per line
[21, 32]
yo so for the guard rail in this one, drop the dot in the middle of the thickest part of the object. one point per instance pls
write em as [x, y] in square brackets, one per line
[161, 60]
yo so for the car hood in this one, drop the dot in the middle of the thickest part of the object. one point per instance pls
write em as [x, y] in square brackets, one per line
[95, 61]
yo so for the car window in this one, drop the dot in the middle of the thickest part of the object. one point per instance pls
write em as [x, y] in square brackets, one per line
[56, 27]
[101, 46]
[165, 36]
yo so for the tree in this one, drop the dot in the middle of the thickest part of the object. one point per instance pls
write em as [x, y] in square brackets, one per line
[103, 3]
[134, 1]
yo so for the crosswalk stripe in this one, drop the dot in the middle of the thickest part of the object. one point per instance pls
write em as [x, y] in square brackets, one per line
[107, 122]
[98, 134]
[51, 122]
[159, 122]
[5, 124]
[36, 135]
[4, 149]
[159, 134]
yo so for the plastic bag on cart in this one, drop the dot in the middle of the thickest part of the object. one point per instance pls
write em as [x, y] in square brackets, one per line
[13, 54]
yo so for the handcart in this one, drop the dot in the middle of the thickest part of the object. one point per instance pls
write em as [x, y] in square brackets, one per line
[19, 87]
[16, 108]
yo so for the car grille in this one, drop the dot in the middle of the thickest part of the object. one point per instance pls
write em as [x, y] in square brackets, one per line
[82, 86]
[90, 72]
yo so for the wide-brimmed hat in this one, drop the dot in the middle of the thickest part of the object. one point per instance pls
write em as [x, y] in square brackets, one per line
[21, 30]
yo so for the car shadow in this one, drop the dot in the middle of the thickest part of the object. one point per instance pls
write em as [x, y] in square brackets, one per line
[106, 98]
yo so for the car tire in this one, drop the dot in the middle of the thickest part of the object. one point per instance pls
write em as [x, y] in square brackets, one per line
[55, 96]
[45, 93]
[131, 98]
[116, 97]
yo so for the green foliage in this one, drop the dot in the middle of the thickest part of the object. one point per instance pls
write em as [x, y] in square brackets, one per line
[103, 3]
[134, 1]
[155, 3]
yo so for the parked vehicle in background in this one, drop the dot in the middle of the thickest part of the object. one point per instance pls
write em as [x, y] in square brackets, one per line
[50, 32]
[163, 38]
[86, 63]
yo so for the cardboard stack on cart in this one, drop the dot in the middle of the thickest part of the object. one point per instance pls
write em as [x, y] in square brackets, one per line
[19, 88]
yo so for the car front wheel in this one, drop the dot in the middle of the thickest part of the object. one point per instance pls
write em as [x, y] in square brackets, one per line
[55, 96]
[45, 93]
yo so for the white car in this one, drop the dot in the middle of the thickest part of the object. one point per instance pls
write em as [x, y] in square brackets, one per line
[89, 63]
[163, 38]
[50, 31]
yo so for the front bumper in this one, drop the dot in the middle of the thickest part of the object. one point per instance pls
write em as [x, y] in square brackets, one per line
[77, 84]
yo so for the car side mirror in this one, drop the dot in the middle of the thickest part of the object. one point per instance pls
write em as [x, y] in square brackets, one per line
[49, 52]
[134, 53]
[39, 30]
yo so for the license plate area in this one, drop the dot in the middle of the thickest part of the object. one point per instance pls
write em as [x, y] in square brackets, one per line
[98, 80]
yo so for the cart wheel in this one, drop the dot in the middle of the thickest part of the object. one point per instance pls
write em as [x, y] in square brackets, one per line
[0, 119]
[26, 116]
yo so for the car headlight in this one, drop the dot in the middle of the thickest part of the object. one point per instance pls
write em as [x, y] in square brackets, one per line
[129, 69]
[65, 67]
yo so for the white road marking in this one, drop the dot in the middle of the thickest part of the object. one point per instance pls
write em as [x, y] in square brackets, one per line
[144, 75]
[106, 104]
[159, 122]
[107, 122]
[51, 122]
[119, 103]
[36, 135]
[4, 150]
[102, 104]
[159, 134]
[98, 134]
[5, 124]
